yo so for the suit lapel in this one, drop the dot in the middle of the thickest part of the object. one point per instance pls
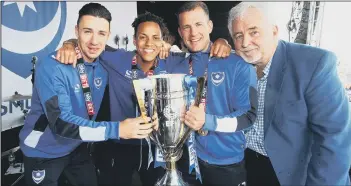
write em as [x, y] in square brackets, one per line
[274, 84]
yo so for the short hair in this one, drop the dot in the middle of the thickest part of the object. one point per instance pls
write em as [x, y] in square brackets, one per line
[238, 11]
[168, 36]
[191, 5]
[96, 10]
[149, 17]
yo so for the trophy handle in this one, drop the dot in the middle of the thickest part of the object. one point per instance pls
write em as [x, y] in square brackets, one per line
[199, 90]
[201, 82]
[140, 87]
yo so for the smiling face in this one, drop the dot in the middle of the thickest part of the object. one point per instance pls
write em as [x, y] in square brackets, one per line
[195, 28]
[92, 33]
[254, 37]
[148, 41]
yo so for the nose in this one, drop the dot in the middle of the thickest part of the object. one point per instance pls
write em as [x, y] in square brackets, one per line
[94, 39]
[193, 31]
[148, 42]
[246, 41]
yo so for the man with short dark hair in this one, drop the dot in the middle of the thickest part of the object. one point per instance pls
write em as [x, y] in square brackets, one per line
[230, 108]
[65, 103]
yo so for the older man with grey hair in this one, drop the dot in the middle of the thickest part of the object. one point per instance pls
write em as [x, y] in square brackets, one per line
[302, 132]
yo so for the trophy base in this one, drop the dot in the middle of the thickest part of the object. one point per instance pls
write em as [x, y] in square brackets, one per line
[171, 178]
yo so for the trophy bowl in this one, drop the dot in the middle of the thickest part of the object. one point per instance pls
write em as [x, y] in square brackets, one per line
[165, 99]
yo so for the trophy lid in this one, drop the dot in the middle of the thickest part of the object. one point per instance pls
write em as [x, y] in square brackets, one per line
[169, 84]
[163, 76]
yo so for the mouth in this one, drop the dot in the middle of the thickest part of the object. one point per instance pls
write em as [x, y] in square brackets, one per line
[148, 50]
[248, 52]
[93, 50]
[194, 41]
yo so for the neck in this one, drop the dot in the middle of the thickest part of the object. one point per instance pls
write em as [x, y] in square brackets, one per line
[88, 60]
[207, 46]
[265, 61]
[145, 65]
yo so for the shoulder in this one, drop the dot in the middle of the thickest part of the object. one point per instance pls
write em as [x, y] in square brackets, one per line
[233, 60]
[112, 53]
[52, 70]
[49, 64]
[116, 58]
[302, 54]
[304, 60]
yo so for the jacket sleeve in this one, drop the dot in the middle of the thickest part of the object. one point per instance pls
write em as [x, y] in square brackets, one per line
[54, 92]
[329, 121]
[245, 103]
[113, 58]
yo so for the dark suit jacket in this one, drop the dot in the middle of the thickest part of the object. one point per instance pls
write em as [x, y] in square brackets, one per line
[307, 117]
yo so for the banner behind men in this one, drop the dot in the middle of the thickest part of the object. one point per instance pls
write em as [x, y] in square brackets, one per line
[37, 28]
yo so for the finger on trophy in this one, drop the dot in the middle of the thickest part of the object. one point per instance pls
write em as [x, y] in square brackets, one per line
[146, 126]
[144, 119]
[189, 123]
[182, 112]
[155, 121]
[143, 133]
[155, 124]
[155, 116]
[155, 127]
[182, 117]
[190, 116]
[202, 106]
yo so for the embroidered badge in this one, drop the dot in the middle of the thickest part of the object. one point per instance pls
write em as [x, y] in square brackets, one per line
[128, 74]
[38, 176]
[98, 82]
[217, 77]
[77, 88]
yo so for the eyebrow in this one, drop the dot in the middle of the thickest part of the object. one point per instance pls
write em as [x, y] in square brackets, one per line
[90, 29]
[251, 28]
[152, 35]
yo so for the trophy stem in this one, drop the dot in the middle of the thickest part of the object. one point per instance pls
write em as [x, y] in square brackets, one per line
[171, 165]
[172, 177]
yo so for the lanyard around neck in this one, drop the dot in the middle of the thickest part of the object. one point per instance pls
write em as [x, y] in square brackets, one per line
[85, 86]
[134, 68]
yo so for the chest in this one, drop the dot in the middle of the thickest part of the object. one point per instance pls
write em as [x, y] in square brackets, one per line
[89, 85]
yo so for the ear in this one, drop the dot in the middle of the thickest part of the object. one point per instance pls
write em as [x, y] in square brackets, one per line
[180, 33]
[210, 25]
[275, 30]
[134, 41]
[76, 31]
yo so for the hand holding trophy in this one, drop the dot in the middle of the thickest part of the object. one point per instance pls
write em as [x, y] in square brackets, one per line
[165, 98]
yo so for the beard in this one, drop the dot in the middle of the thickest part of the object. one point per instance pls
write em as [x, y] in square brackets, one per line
[251, 59]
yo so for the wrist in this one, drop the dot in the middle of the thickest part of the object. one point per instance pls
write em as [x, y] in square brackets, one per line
[120, 130]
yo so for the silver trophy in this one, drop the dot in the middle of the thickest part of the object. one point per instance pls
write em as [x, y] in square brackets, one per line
[165, 98]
